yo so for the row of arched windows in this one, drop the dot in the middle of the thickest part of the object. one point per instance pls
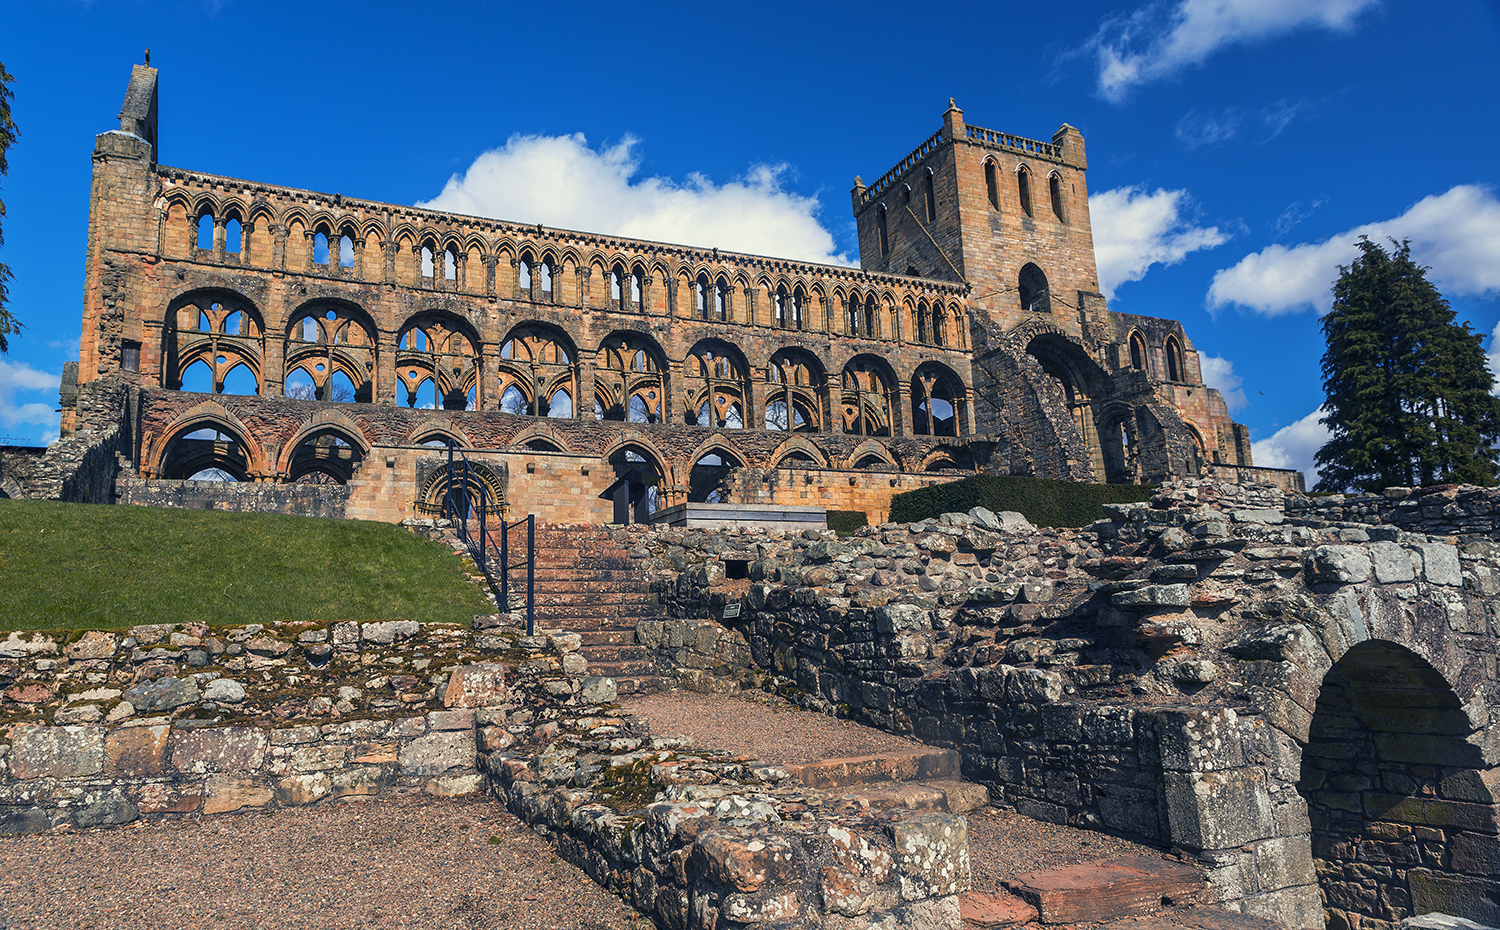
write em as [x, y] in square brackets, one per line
[540, 276]
[1023, 189]
[330, 352]
[1140, 357]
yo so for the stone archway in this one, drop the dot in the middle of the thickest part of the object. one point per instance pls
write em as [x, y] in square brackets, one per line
[1401, 803]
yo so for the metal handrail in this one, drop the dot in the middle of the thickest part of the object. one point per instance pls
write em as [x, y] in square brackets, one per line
[458, 504]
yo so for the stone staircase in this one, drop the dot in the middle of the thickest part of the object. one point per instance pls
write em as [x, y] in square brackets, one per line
[587, 584]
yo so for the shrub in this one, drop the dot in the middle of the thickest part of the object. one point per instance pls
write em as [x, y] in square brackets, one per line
[1043, 501]
[845, 522]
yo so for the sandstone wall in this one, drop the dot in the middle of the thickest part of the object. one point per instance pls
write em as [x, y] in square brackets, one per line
[308, 500]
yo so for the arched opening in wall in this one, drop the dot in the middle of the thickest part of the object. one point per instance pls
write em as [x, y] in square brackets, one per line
[427, 261]
[1117, 442]
[346, 248]
[1023, 188]
[716, 385]
[329, 354]
[939, 326]
[1054, 183]
[991, 184]
[542, 445]
[213, 344]
[327, 456]
[1080, 379]
[795, 387]
[929, 197]
[867, 398]
[205, 452]
[636, 490]
[320, 248]
[234, 235]
[537, 361]
[922, 324]
[478, 483]
[637, 288]
[436, 362]
[721, 300]
[905, 196]
[206, 231]
[1172, 349]
[885, 243]
[1032, 288]
[1137, 350]
[617, 286]
[702, 294]
[941, 463]
[524, 274]
[1401, 804]
[450, 264]
[706, 480]
[872, 328]
[851, 316]
[629, 380]
[796, 458]
[937, 397]
[547, 279]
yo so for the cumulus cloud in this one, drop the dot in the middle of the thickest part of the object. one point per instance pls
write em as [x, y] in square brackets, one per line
[1159, 40]
[1219, 373]
[561, 181]
[17, 412]
[1294, 446]
[1134, 229]
[1456, 233]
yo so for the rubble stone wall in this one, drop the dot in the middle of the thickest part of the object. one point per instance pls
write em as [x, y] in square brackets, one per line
[1187, 672]
[308, 500]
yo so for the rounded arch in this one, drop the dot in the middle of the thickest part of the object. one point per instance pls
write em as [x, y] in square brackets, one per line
[1172, 356]
[324, 454]
[1023, 188]
[870, 456]
[480, 483]
[867, 397]
[541, 432]
[538, 367]
[437, 358]
[1032, 290]
[215, 333]
[1391, 753]
[641, 479]
[1139, 357]
[324, 340]
[713, 462]
[800, 450]
[939, 401]
[208, 439]
[796, 391]
[716, 385]
[630, 379]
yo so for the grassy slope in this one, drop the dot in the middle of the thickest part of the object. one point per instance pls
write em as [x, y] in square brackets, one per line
[71, 566]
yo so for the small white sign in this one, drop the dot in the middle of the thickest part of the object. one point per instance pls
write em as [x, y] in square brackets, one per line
[731, 610]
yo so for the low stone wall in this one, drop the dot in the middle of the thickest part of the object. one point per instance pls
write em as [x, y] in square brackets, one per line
[104, 727]
[1446, 510]
[308, 500]
[83, 467]
[1188, 672]
[702, 840]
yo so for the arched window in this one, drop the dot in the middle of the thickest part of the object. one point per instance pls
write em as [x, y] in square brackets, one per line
[865, 400]
[1173, 352]
[885, 245]
[721, 300]
[935, 398]
[701, 289]
[545, 281]
[206, 231]
[706, 480]
[320, 248]
[628, 383]
[717, 383]
[346, 249]
[991, 185]
[922, 321]
[450, 264]
[1032, 289]
[794, 392]
[1055, 183]
[851, 314]
[426, 262]
[436, 363]
[872, 318]
[1023, 188]
[536, 362]
[234, 238]
[939, 326]
[1137, 351]
[617, 287]
[783, 307]
[526, 274]
[929, 197]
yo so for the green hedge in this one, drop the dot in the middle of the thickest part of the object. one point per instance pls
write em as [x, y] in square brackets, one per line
[845, 522]
[1041, 500]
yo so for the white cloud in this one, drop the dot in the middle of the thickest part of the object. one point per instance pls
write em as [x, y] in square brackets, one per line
[1219, 373]
[1134, 230]
[18, 378]
[1156, 42]
[1456, 233]
[562, 182]
[1293, 446]
[1198, 130]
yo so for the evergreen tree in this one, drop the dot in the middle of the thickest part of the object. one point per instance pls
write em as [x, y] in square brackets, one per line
[8, 134]
[1408, 389]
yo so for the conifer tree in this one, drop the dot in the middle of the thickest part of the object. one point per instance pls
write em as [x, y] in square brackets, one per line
[1408, 389]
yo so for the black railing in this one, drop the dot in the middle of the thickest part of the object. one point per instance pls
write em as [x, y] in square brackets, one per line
[458, 506]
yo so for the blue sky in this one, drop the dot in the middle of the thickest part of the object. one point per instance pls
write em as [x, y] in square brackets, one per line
[1236, 147]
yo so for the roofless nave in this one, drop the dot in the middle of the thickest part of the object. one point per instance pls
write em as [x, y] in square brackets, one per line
[286, 336]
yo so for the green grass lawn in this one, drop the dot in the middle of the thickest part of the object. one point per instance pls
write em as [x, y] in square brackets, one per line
[80, 566]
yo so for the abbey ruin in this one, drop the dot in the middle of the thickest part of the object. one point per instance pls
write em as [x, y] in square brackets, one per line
[317, 347]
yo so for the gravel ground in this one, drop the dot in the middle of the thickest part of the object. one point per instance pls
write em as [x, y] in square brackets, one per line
[1002, 843]
[393, 864]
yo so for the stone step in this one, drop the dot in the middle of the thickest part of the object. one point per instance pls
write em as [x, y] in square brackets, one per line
[1110, 889]
[591, 586]
[1196, 918]
[608, 637]
[944, 796]
[909, 765]
[618, 670]
[983, 910]
[621, 653]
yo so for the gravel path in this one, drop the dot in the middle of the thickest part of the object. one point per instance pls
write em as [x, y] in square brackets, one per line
[394, 864]
[1002, 843]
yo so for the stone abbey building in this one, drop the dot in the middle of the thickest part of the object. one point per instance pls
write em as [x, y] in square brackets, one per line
[315, 344]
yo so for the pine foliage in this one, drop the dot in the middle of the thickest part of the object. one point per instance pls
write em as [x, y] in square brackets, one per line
[8, 136]
[1408, 388]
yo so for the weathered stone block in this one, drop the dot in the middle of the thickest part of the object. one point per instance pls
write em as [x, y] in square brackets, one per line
[1153, 595]
[744, 864]
[437, 753]
[168, 797]
[56, 752]
[136, 752]
[899, 618]
[297, 790]
[450, 720]
[597, 690]
[1477, 899]
[225, 793]
[1440, 564]
[385, 632]
[932, 855]
[1340, 564]
[225, 749]
[1393, 563]
[102, 808]
[1218, 810]
[162, 694]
